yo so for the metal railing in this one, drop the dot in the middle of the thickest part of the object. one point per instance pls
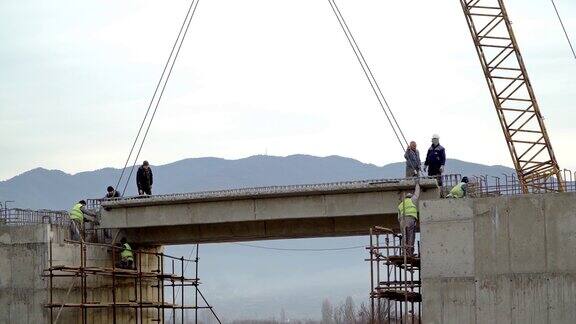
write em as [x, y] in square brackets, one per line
[508, 184]
[20, 217]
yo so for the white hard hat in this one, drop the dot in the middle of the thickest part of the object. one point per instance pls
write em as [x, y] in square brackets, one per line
[436, 136]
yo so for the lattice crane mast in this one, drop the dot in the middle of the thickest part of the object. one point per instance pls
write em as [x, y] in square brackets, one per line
[513, 96]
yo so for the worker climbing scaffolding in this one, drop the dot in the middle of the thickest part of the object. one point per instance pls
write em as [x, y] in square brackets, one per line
[408, 219]
[79, 215]
[126, 255]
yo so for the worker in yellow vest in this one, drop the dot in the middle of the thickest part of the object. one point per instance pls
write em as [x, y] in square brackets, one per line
[126, 255]
[408, 218]
[79, 214]
[460, 190]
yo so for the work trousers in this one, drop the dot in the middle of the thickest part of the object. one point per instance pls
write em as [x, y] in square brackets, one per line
[126, 264]
[408, 227]
[145, 191]
[434, 171]
[411, 172]
[75, 230]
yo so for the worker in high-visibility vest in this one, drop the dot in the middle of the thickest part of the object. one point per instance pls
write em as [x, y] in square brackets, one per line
[79, 214]
[460, 190]
[126, 255]
[408, 218]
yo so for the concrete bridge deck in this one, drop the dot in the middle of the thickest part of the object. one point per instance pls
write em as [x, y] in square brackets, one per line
[299, 211]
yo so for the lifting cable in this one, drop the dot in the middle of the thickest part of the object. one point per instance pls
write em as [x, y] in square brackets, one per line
[370, 76]
[162, 82]
[563, 28]
[373, 82]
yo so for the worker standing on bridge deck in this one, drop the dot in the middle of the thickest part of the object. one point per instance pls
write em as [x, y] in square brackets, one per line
[460, 190]
[144, 179]
[408, 217]
[412, 157]
[435, 159]
[78, 215]
[126, 255]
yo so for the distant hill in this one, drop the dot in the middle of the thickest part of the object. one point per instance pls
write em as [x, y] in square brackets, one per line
[54, 189]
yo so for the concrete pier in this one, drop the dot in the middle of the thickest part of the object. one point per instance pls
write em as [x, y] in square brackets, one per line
[499, 260]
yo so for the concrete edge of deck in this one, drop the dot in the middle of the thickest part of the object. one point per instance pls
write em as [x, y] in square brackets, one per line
[271, 192]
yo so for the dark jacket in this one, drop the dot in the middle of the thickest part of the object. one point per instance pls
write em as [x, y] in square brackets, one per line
[114, 194]
[144, 179]
[436, 156]
[412, 159]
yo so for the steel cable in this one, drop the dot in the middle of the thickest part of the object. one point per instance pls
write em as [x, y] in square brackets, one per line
[399, 134]
[179, 42]
[153, 97]
[370, 76]
[563, 28]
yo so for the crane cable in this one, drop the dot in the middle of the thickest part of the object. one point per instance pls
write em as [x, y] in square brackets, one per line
[563, 28]
[370, 76]
[162, 82]
[398, 133]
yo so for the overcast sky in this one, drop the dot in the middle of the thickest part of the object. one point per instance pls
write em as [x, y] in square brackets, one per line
[262, 76]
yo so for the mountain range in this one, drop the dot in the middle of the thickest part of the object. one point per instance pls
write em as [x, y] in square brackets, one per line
[53, 189]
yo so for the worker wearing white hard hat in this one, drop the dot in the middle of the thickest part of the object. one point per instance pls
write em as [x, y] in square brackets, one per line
[435, 159]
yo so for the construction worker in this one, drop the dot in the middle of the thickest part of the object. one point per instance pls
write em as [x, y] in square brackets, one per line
[412, 157]
[78, 215]
[408, 217]
[111, 193]
[144, 179]
[126, 255]
[435, 159]
[460, 190]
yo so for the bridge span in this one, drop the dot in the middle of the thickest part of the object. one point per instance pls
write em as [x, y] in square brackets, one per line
[282, 212]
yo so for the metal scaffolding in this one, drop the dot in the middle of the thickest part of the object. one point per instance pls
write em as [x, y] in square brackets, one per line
[395, 286]
[155, 293]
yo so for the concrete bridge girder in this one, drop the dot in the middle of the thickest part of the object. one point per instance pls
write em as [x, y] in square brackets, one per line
[288, 212]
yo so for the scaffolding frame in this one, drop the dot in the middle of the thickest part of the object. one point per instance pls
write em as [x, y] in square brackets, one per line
[158, 279]
[396, 294]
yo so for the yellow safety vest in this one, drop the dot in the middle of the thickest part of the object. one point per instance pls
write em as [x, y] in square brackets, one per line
[76, 213]
[126, 253]
[457, 191]
[408, 208]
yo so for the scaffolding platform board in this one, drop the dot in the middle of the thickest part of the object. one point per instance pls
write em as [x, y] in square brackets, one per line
[398, 295]
[398, 260]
